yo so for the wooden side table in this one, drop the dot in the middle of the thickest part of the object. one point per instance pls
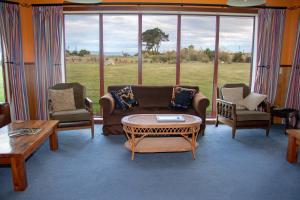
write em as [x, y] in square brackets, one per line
[293, 145]
[15, 150]
[287, 114]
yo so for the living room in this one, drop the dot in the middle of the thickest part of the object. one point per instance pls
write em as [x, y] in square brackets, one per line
[133, 99]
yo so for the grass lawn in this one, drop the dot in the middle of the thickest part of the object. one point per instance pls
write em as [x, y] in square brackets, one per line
[192, 73]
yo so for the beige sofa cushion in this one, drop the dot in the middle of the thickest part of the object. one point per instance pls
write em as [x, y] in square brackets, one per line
[249, 115]
[62, 100]
[252, 100]
[71, 115]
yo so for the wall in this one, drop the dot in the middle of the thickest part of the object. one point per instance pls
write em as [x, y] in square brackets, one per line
[287, 49]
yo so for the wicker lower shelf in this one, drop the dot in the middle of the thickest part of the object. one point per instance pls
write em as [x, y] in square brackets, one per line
[161, 144]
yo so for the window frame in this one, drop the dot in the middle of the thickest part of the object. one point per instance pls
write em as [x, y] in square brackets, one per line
[179, 15]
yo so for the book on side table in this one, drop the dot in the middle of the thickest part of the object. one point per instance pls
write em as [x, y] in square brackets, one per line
[170, 118]
[24, 131]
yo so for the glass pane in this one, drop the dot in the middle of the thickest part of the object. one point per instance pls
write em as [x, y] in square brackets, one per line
[120, 37]
[197, 52]
[235, 54]
[82, 54]
[2, 91]
[159, 34]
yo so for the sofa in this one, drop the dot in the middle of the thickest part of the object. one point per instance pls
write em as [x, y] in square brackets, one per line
[151, 100]
[4, 114]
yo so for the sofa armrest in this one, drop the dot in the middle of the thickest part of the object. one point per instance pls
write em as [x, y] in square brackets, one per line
[226, 109]
[107, 103]
[89, 104]
[4, 114]
[200, 103]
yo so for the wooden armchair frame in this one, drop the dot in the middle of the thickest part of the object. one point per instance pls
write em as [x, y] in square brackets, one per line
[88, 105]
[227, 114]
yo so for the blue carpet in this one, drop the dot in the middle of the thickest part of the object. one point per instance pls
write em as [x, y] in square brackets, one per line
[250, 167]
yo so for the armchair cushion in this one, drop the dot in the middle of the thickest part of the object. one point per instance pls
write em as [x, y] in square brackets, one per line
[61, 100]
[252, 101]
[249, 115]
[71, 115]
[233, 95]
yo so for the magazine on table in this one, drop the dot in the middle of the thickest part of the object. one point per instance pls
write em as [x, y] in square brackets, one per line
[24, 131]
[170, 118]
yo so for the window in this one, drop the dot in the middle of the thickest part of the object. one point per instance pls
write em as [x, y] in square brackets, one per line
[197, 52]
[153, 60]
[235, 49]
[82, 54]
[159, 49]
[2, 90]
[120, 49]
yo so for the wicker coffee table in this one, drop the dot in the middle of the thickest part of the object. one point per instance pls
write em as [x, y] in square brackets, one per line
[143, 132]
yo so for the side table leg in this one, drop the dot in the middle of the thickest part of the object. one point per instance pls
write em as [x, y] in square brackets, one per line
[53, 140]
[292, 153]
[19, 176]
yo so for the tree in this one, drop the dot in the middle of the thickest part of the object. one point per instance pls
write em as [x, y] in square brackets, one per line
[74, 53]
[238, 57]
[153, 38]
[125, 54]
[83, 52]
[68, 52]
[224, 56]
[191, 47]
[210, 54]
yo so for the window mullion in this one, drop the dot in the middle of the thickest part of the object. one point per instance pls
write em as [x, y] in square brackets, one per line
[216, 67]
[178, 49]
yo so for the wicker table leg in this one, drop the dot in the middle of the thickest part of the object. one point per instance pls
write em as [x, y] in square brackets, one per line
[194, 146]
[132, 146]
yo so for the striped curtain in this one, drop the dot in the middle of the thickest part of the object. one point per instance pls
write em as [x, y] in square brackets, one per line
[293, 93]
[48, 26]
[11, 39]
[270, 34]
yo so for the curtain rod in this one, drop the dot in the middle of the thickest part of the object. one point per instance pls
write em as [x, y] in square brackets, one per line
[10, 2]
[155, 4]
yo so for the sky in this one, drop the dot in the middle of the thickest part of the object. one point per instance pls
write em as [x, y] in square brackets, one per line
[120, 32]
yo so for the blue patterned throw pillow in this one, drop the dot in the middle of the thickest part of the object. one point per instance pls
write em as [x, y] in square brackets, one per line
[124, 98]
[182, 98]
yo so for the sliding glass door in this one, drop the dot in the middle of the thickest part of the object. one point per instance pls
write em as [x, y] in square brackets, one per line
[235, 52]
[158, 49]
[82, 53]
[120, 33]
[198, 35]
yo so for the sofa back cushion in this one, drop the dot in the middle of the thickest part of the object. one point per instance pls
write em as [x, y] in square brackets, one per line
[151, 96]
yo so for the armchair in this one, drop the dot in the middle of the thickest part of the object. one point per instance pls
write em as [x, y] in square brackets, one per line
[228, 114]
[80, 118]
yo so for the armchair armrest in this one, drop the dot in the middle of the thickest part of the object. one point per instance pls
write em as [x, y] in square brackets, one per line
[108, 104]
[200, 103]
[226, 109]
[89, 104]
